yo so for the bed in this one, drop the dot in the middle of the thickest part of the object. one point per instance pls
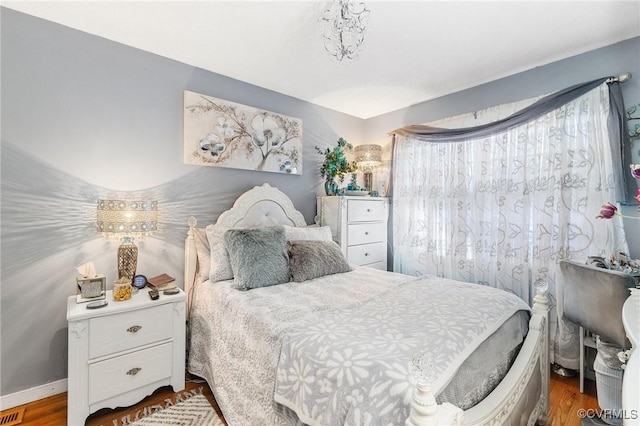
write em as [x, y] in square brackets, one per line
[350, 345]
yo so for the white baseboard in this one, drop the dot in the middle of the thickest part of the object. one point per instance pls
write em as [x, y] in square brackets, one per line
[29, 395]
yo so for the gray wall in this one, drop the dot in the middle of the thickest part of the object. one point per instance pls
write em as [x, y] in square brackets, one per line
[84, 118]
[611, 60]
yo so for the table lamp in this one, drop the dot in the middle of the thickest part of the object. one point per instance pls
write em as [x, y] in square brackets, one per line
[125, 219]
[368, 157]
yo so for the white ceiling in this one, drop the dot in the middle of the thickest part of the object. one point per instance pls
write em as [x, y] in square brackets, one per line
[413, 51]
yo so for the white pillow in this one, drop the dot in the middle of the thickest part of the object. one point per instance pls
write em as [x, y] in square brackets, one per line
[320, 233]
[220, 268]
[202, 249]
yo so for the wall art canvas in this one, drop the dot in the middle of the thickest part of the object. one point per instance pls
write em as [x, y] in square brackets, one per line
[220, 133]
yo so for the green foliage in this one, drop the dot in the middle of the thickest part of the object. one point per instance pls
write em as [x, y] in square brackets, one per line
[335, 161]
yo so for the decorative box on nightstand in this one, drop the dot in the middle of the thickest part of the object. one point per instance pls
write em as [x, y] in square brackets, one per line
[359, 225]
[123, 352]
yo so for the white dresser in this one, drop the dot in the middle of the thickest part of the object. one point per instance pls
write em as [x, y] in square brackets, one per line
[359, 225]
[123, 352]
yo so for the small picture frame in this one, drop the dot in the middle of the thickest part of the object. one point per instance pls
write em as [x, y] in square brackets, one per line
[91, 288]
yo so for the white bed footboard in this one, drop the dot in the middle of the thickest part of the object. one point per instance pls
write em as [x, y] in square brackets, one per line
[522, 397]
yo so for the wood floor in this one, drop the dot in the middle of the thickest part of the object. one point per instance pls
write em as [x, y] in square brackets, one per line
[565, 399]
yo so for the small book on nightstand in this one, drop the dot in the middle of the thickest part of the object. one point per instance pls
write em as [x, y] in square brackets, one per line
[162, 282]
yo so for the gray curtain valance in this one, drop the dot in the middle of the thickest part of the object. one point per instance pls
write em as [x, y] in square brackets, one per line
[530, 113]
[619, 138]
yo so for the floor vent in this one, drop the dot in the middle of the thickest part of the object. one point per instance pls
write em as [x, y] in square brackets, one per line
[11, 417]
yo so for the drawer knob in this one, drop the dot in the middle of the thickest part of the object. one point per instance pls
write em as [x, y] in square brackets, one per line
[134, 371]
[366, 254]
[368, 210]
[134, 328]
[366, 233]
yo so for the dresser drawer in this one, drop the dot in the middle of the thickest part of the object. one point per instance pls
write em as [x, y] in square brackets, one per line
[115, 333]
[366, 210]
[367, 253]
[124, 373]
[366, 233]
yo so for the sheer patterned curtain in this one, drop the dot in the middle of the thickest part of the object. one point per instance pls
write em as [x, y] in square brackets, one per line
[503, 209]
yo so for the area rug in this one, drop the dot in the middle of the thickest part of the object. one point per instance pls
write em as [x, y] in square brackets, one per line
[192, 411]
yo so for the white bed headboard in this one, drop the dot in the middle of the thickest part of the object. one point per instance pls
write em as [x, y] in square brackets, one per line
[260, 206]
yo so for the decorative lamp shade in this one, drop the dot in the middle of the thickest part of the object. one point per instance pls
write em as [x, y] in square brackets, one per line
[127, 217]
[368, 156]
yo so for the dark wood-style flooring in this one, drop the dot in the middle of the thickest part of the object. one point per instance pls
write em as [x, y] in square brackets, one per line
[565, 399]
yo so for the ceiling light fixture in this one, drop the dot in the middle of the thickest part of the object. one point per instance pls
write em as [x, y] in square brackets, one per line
[343, 27]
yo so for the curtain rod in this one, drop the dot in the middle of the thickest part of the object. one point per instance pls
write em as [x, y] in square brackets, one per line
[621, 78]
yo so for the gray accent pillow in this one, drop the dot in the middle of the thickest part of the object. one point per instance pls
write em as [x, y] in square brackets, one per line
[259, 257]
[313, 259]
[220, 265]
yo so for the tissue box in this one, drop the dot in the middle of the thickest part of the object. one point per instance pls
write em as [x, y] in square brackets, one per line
[91, 288]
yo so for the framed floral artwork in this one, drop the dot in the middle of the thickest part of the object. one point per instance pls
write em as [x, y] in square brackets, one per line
[221, 133]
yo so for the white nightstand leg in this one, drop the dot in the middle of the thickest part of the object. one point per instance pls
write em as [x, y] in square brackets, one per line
[179, 320]
[78, 374]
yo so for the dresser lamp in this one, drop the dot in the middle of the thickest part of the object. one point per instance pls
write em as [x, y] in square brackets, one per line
[368, 157]
[125, 219]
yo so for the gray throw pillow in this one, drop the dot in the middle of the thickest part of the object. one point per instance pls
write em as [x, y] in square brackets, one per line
[258, 257]
[314, 259]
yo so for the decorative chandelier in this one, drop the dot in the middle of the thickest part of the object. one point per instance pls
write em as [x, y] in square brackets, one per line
[343, 27]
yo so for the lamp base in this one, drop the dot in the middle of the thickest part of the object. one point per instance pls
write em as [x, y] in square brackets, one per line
[127, 259]
[368, 181]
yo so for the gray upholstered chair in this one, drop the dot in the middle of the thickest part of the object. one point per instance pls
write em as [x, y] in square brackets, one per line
[592, 298]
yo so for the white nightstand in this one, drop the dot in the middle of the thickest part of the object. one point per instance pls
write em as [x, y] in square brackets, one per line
[123, 352]
[359, 225]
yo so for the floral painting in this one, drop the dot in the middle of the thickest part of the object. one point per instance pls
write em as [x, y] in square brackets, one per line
[225, 134]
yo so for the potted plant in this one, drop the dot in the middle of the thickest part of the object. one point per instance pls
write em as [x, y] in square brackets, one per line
[335, 165]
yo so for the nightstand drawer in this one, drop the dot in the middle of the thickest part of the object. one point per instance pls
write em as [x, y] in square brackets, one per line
[115, 333]
[366, 210]
[366, 254]
[121, 374]
[366, 233]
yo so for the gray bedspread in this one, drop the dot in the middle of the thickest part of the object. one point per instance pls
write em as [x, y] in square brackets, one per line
[351, 366]
[236, 338]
